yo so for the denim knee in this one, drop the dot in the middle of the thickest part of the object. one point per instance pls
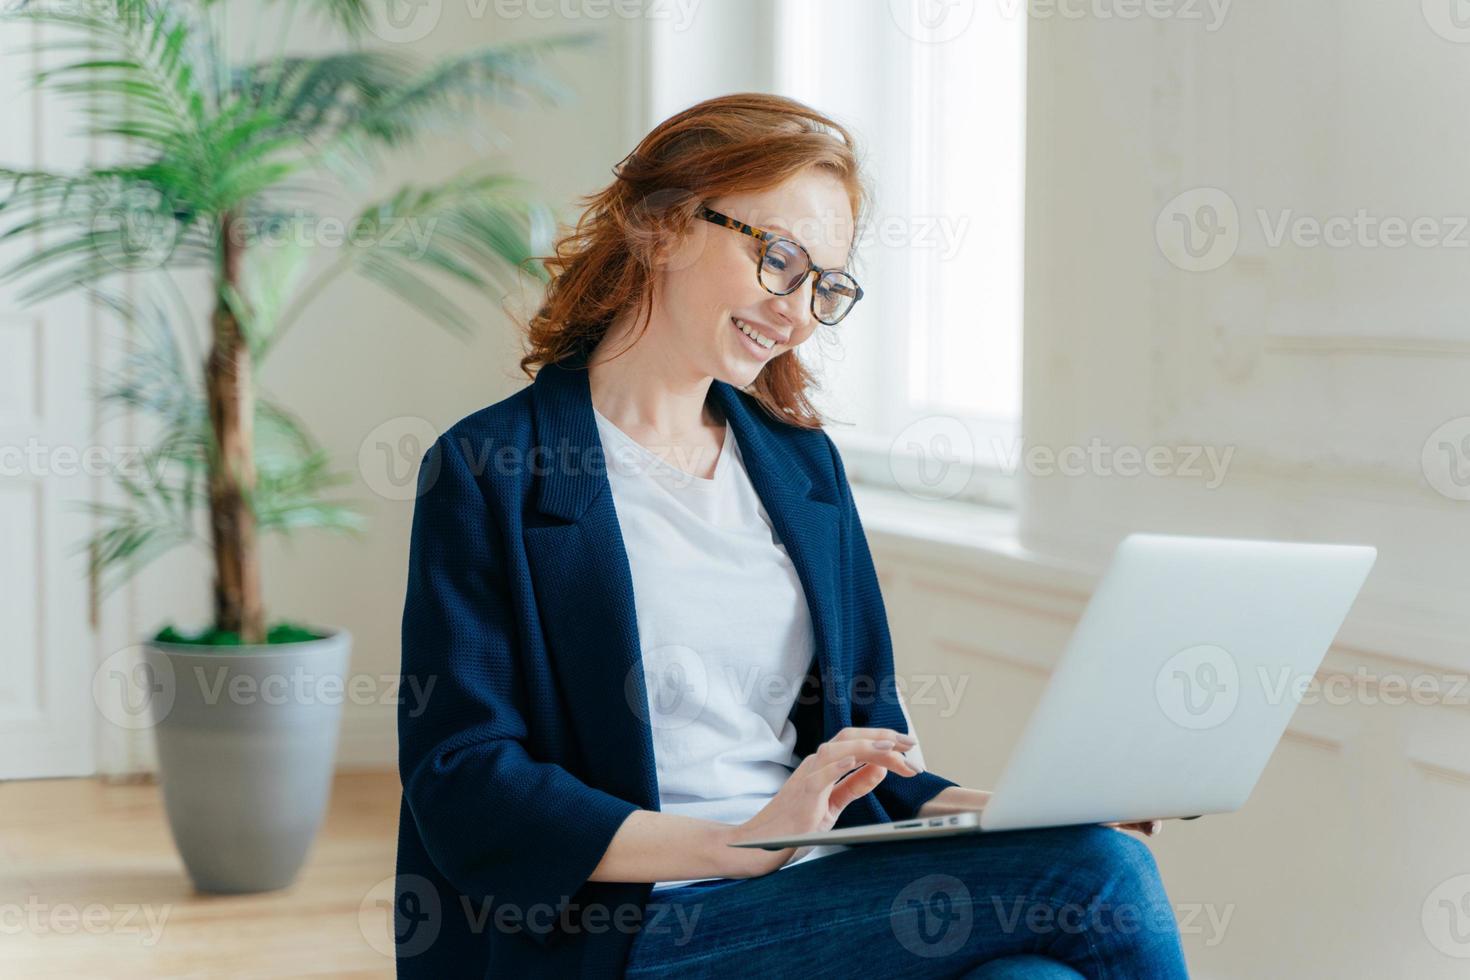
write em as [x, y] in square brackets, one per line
[1089, 896]
[1093, 874]
[1116, 856]
[1120, 877]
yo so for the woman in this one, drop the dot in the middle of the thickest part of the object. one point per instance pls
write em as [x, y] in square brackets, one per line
[647, 625]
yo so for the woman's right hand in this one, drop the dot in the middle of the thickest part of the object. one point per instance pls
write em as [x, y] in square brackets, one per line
[816, 792]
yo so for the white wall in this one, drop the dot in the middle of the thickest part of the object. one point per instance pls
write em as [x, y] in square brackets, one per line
[1325, 370]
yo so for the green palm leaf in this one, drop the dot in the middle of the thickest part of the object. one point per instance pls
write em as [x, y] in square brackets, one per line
[475, 229]
[261, 146]
[145, 51]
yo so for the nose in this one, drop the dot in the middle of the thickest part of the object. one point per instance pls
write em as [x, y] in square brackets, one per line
[795, 308]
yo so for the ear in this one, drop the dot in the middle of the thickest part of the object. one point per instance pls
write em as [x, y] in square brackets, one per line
[663, 251]
[680, 250]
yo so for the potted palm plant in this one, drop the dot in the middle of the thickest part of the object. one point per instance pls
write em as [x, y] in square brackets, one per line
[224, 168]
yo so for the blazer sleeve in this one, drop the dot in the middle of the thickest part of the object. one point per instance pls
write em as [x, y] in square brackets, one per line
[494, 820]
[901, 796]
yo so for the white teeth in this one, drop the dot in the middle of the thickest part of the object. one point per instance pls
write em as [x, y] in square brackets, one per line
[761, 339]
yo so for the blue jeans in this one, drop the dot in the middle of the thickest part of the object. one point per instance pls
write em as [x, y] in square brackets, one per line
[1059, 902]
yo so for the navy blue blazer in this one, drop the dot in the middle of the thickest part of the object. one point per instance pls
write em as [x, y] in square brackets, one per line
[531, 747]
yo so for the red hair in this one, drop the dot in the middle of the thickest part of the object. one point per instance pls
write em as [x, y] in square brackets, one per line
[605, 266]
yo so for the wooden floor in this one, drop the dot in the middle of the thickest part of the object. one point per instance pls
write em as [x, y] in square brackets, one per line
[90, 886]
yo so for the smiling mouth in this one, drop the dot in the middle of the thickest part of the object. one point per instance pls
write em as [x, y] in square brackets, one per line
[757, 338]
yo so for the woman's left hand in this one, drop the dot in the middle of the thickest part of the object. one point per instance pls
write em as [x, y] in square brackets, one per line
[955, 799]
[1147, 828]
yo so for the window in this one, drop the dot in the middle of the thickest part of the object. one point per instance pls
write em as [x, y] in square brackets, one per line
[928, 368]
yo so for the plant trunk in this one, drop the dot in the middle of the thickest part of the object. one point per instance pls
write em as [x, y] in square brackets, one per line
[237, 600]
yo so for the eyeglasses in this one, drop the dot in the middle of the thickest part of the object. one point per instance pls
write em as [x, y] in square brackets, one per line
[783, 265]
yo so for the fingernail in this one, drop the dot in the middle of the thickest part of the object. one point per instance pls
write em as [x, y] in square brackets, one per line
[883, 743]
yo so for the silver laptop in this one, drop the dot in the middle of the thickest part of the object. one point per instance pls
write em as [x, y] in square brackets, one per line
[1173, 691]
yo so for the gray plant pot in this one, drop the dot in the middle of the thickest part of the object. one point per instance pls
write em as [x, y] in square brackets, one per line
[247, 737]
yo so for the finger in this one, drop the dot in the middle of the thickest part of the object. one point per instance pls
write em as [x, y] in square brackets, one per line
[903, 738]
[836, 769]
[857, 785]
[882, 752]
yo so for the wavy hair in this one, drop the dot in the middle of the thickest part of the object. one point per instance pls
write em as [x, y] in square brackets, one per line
[605, 265]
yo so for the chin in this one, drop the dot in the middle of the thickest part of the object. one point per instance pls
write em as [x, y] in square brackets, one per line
[733, 369]
[741, 373]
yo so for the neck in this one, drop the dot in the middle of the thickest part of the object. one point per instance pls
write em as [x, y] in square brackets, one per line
[645, 386]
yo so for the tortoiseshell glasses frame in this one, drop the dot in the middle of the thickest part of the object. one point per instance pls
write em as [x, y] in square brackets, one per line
[837, 290]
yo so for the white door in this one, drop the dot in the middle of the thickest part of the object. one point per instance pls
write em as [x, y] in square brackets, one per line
[47, 720]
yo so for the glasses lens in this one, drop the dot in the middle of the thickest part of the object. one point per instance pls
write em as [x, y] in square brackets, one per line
[784, 266]
[836, 292]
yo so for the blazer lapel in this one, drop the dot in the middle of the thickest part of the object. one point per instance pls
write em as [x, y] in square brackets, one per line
[585, 589]
[584, 586]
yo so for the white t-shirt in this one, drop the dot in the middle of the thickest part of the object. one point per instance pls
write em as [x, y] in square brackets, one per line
[724, 629]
